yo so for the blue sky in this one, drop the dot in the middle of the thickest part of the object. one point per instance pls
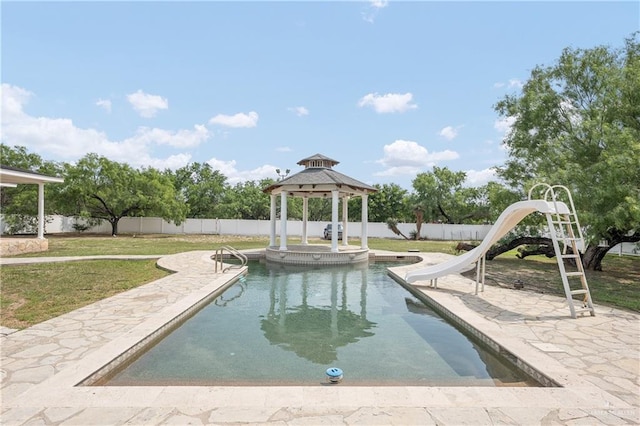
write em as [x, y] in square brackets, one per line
[388, 89]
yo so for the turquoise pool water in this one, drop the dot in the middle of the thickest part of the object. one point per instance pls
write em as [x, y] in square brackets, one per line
[286, 325]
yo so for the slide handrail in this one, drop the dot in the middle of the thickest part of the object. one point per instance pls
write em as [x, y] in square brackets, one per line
[550, 194]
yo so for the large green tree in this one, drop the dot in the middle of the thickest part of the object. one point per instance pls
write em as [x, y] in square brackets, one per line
[100, 189]
[577, 123]
[246, 200]
[387, 202]
[202, 188]
[440, 196]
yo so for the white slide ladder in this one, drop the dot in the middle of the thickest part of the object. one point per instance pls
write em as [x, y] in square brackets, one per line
[568, 243]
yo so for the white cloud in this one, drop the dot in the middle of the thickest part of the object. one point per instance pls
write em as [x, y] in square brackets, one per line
[503, 125]
[147, 105]
[234, 176]
[571, 112]
[512, 83]
[299, 111]
[283, 149]
[373, 9]
[391, 102]
[104, 104]
[62, 139]
[238, 120]
[480, 177]
[13, 99]
[180, 139]
[449, 133]
[408, 157]
[172, 162]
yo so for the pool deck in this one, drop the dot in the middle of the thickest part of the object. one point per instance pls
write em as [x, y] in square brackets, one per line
[596, 360]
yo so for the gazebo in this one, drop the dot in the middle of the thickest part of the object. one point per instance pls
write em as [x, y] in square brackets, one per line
[318, 180]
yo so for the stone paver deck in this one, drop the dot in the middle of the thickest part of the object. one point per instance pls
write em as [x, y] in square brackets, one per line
[595, 360]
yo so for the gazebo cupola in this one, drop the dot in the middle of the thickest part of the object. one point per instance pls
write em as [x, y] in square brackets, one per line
[318, 179]
[318, 161]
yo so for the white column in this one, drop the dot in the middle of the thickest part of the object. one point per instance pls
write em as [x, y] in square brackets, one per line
[283, 220]
[334, 221]
[272, 222]
[305, 219]
[345, 219]
[41, 211]
[365, 218]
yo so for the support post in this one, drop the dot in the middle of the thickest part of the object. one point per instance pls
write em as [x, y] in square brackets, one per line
[334, 221]
[364, 244]
[283, 220]
[345, 219]
[272, 222]
[41, 211]
[305, 219]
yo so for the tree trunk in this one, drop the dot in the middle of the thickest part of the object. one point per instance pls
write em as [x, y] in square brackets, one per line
[419, 220]
[114, 226]
[542, 246]
[592, 257]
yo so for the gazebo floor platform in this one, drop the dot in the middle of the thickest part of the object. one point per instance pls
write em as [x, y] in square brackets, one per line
[317, 254]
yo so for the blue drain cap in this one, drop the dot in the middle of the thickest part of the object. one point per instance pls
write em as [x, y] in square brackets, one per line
[334, 372]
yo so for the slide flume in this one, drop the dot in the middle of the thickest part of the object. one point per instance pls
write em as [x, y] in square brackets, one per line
[509, 218]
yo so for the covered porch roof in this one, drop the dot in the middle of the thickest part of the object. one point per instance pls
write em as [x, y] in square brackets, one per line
[12, 176]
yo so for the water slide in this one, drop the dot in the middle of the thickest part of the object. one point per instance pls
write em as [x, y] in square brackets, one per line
[509, 218]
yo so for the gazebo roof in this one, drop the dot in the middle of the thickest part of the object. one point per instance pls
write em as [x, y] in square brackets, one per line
[318, 179]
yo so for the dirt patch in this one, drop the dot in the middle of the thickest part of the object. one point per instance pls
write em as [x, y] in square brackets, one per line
[9, 314]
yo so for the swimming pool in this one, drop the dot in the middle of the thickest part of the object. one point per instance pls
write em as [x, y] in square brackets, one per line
[286, 325]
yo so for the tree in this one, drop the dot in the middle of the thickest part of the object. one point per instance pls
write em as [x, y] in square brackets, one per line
[246, 200]
[577, 123]
[387, 202]
[98, 188]
[201, 187]
[319, 208]
[440, 196]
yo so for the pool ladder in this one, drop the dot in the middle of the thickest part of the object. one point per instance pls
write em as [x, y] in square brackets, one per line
[219, 256]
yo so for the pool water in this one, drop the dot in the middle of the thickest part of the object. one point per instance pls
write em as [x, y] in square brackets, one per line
[284, 325]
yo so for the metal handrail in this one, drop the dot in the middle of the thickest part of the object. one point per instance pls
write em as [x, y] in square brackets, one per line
[218, 258]
[550, 192]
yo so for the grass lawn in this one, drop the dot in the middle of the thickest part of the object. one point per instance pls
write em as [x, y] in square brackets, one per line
[618, 285]
[34, 293]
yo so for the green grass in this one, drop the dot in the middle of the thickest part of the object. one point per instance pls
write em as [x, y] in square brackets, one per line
[617, 285]
[34, 293]
[87, 245]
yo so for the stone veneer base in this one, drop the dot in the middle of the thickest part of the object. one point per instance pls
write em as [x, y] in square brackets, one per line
[17, 246]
